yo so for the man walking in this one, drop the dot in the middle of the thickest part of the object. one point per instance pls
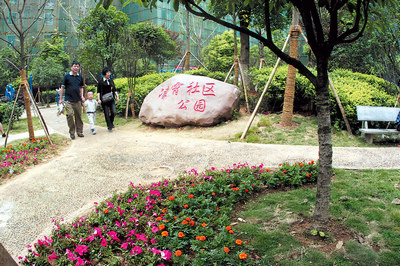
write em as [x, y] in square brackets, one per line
[72, 84]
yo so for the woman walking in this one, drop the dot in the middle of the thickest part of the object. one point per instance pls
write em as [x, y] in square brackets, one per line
[106, 93]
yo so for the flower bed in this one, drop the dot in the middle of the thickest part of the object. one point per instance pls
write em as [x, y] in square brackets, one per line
[14, 158]
[185, 221]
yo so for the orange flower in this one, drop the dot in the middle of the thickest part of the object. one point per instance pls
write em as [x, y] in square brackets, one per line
[191, 223]
[188, 219]
[175, 217]
[226, 249]
[105, 210]
[213, 194]
[164, 210]
[230, 231]
[242, 256]
[158, 218]
[190, 196]
[164, 233]
[197, 237]
[202, 238]
[178, 253]
[193, 185]
[171, 198]
[202, 249]
[238, 241]
[161, 227]
[184, 222]
[228, 227]
[181, 234]
[185, 206]
[204, 224]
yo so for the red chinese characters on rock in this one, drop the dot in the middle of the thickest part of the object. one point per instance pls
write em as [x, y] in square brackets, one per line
[175, 88]
[192, 88]
[163, 93]
[208, 89]
[182, 104]
[200, 105]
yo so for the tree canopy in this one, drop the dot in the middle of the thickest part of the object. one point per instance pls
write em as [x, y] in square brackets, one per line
[101, 32]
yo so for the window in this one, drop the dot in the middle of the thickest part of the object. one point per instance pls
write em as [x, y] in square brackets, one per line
[48, 19]
[50, 4]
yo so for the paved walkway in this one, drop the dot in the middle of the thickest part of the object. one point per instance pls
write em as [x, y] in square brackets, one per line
[96, 166]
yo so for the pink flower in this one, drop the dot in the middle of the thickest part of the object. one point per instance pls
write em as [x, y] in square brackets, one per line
[132, 232]
[90, 238]
[166, 254]
[125, 245]
[80, 249]
[79, 262]
[114, 235]
[118, 223]
[120, 211]
[52, 257]
[155, 192]
[130, 200]
[155, 229]
[141, 237]
[103, 242]
[97, 231]
[136, 250]
[153, 240]
[155, 251]
[70, 255]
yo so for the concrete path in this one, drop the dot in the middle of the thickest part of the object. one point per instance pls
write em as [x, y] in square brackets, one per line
[96, 166]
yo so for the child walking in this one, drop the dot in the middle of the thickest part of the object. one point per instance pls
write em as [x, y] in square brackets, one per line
[91, 105]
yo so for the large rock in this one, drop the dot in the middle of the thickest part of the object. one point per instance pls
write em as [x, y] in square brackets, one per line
[190, 100]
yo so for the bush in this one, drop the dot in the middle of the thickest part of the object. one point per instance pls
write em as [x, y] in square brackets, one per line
[353, 89]
[6, 109]
[52, 94]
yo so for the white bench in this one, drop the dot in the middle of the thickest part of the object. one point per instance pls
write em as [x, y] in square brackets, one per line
[376, 114]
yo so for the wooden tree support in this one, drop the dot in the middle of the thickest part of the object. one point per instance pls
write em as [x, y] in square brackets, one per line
[184, 56]
[25, 86]
[264, 91]
[237, 63]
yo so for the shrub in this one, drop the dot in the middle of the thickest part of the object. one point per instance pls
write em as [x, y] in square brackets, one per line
[6, 109]
[353, 89]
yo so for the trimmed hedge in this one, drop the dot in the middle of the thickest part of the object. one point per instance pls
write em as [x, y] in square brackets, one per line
[353, 89]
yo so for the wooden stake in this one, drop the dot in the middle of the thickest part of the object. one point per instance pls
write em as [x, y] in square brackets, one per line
[264, 91]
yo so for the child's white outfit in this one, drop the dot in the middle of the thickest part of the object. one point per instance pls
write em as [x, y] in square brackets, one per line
[91, 113]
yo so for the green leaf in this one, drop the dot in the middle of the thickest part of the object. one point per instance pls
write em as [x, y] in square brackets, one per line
[314, 232]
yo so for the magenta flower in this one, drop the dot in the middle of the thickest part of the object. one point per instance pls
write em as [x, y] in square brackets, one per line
[136, 250]
[114, 235]
[52, 257]
[90, 238]
[80, 249]
[155, 229]
[155, 251]
[166, 254]
[103, 242]
[71, 255]
[125, 245]
[155, 192]
[141, 237]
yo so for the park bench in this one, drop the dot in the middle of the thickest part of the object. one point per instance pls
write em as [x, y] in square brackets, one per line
[376, 114]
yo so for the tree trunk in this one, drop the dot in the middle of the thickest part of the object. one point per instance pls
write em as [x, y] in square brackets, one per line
[27, 104]
[287, 113]
[245, 48]
[187, 58]
[321, 212]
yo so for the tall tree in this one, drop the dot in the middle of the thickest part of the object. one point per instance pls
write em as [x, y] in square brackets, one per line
[8, 69]
[154, 42]
[13, 17]
[326, 25]
[101, 32]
